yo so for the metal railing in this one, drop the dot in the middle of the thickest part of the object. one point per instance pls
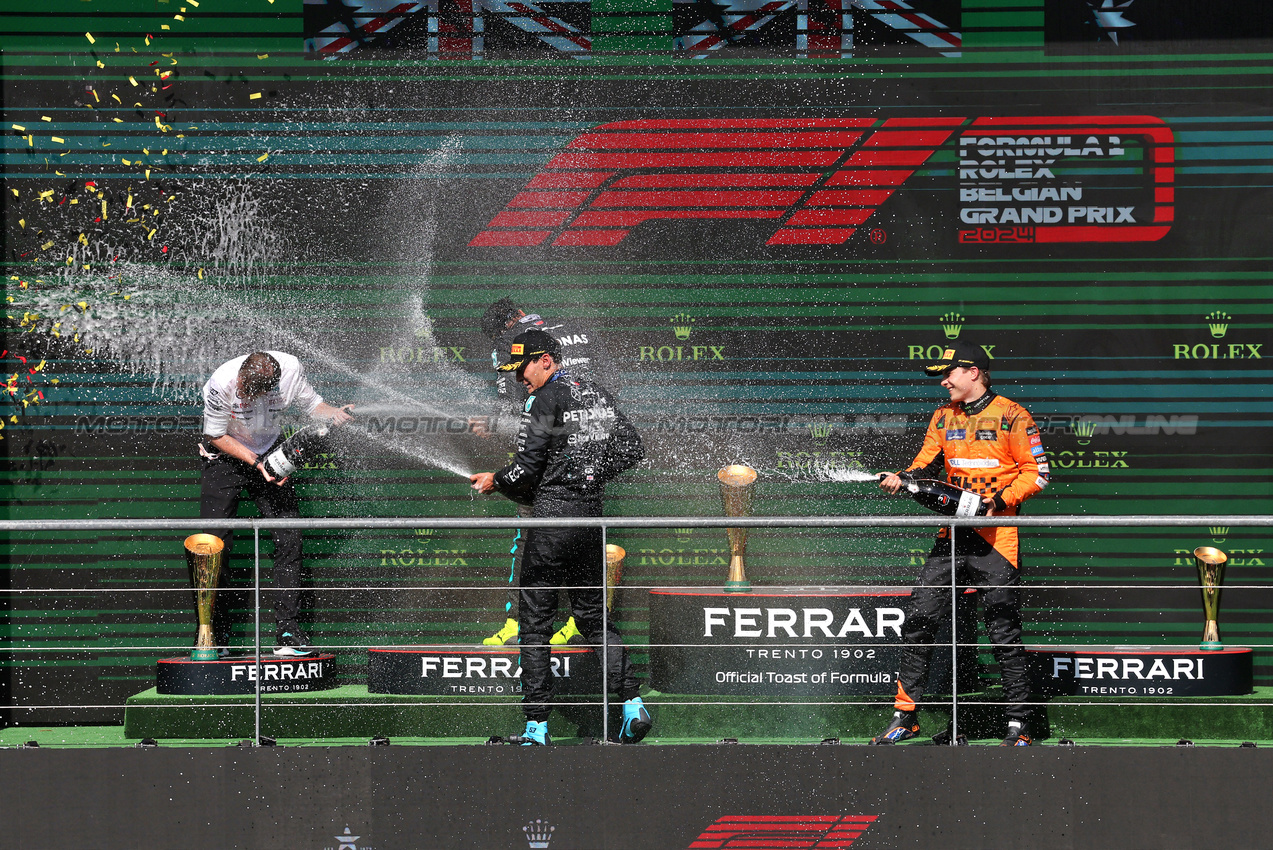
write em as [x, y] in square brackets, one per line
[605, 524]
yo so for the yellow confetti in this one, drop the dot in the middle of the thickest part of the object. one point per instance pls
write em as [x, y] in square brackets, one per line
[262, 157]
[147, 173]
[126, 162]
[75, 200]
[58, 139]
[151, 235]
[19, 128]
[117, 121]
[45, 118]
[95, 97]
[58, 173]
[31, 141]
[46, 195]
[194, 3]
[117, 100]
[262, 56]
[103, 210]
[90, 38]
[200, 274]
[178, 18]
[47, 245]
[129, 202]
[22, 222]
[132, 80]
[101, 64]
[15, 193]
[70, 261]
[164, 26]
[254, 96]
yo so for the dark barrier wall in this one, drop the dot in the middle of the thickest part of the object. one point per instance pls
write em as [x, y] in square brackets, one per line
[663, 798]
[770, 240]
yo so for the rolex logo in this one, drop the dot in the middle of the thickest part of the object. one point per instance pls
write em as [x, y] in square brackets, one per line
[820, 432]
[539, 833]
[682, 534]
[682, 325]
[1084, 429]
[952, 324]
[1218, 323]
[1219, 532]
[424, 532]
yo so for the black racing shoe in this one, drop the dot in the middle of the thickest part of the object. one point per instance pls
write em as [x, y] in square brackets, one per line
[292, 643]
[905, 726]
[1017, 737]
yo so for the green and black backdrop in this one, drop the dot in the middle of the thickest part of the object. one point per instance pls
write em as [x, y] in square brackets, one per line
[770, 212]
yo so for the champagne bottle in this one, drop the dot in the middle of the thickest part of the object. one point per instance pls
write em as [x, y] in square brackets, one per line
[284, 460]
[946, 499]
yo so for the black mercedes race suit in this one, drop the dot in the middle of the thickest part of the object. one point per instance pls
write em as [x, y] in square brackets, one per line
[583, 357]
[572, 440]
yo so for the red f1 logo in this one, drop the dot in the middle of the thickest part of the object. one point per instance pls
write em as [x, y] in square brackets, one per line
[820, 179]
[783, 833]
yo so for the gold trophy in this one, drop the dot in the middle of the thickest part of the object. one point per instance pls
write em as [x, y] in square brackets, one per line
[204, 556]
[737, 481]
[1210, 561]
[614, 572]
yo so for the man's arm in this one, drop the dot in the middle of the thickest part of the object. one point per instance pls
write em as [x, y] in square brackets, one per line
[1033, 469]
[519, 480]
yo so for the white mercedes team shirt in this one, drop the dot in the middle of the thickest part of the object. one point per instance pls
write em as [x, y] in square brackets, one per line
[255, 424]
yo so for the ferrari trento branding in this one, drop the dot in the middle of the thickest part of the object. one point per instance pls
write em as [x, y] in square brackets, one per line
[817, 180]
[771, 832]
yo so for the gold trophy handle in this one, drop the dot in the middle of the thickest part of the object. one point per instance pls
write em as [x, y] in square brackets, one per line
[205, 554]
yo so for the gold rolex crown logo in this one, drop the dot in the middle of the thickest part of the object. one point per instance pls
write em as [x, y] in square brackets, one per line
[1218, 323]
[952, 324]
[1219, 532]
[424, 532]
[682, 325]
[820, 431]
[682, 532]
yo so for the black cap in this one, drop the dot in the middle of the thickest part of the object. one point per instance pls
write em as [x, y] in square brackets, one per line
[496, 317]
[530, 345]
[963, 354]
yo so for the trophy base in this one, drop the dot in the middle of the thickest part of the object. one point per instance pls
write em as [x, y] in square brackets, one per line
[1211, 646]
[738, 587]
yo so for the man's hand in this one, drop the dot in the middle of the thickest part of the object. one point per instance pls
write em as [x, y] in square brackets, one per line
[260, 465]
[483, 482]
[891, 483]
[334, 415]
[989, 502]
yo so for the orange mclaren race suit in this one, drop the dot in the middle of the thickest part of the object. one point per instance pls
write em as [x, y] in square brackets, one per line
[992, 447]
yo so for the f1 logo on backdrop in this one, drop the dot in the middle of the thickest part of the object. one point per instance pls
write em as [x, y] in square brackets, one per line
[1033, 179]
[759, 832]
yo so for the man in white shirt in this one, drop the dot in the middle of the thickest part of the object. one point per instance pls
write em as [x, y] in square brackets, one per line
[243, 403]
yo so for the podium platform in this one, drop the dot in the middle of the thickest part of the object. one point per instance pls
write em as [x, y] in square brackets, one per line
[793, 641]
[236, 674]
[1140, 671]
[463, 670]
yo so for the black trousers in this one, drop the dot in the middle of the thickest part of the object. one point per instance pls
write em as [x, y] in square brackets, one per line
[221, 486]
[563, 557]
[977, 564]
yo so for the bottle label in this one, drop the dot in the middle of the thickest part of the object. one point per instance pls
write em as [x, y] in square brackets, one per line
[969, 504]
